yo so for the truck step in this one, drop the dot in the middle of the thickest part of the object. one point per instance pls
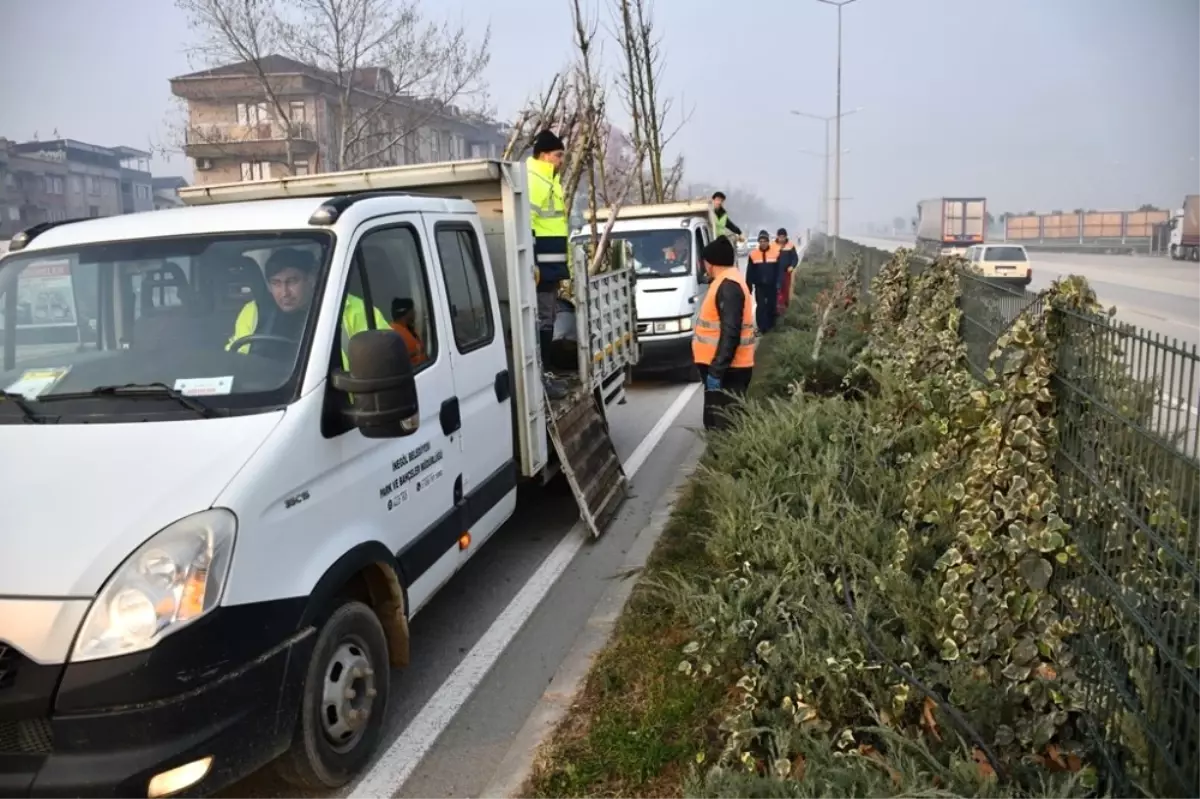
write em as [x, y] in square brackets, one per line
[589, 462]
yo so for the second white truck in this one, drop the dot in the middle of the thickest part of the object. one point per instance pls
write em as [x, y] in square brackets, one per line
[666, 240]
[269, 427]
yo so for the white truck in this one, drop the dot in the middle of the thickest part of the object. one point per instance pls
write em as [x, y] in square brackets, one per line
[666, 241]
[1185, 230]
[304, 404]
[949, 225]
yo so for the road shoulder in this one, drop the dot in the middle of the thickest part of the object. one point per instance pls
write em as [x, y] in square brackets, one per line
[516, 767]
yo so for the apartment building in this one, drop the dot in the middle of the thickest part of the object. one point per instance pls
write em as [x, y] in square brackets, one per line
[236, 132]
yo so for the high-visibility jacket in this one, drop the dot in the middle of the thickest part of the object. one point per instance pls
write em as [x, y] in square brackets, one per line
[761, 269]
[707, 334]
[354, 320]
[416, 350]
[548, 213]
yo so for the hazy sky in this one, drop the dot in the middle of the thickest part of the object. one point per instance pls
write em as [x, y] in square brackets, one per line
[1035, 104]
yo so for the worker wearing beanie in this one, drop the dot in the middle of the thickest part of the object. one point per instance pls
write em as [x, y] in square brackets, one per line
[789, 259]
[723, 341]
[548, 211]
[762, 273]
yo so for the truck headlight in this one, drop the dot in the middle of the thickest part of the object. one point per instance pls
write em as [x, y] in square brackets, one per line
[167, 583]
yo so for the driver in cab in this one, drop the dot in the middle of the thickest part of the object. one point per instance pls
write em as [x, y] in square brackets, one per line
[275, 331]
[677, 253]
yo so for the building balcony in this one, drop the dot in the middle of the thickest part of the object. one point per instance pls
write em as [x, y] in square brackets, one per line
[268, 139]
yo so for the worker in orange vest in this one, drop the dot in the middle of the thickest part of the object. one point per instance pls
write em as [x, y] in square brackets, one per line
[723, 342]
[404, 316]
[789, 259]
[762, 273]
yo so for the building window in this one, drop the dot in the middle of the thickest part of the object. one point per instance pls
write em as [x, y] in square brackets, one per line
[297, 112]
[252, 114]
[93, 184]
[256, 170]
[300, 168]
[76, 186]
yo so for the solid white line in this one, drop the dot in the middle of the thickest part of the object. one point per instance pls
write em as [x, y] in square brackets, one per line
[397, 763]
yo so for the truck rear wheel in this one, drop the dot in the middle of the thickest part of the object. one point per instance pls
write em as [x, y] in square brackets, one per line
[343, 703]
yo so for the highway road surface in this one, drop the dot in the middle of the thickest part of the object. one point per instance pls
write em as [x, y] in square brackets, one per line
[487, 645]
[1158, 295]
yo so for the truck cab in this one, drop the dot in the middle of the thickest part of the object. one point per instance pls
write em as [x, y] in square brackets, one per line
[248, 440]
[666, 241]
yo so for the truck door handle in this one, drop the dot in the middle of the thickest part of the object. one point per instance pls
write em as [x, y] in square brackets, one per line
[502, 387]
[450, 416]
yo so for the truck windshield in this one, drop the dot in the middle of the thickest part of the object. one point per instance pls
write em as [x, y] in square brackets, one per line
[1004, 254]
[220, 317]
[657, 253]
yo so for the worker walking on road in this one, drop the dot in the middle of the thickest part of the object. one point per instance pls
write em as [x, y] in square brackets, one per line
[762, 273]
[724, 223]
[723, 341]
[548, 210]
[789, 259]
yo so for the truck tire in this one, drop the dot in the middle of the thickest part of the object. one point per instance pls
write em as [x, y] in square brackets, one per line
[342, 705]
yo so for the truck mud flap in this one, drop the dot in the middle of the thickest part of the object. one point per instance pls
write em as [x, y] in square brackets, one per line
[589, 461]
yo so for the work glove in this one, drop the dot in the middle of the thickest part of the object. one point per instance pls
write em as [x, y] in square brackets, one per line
[712, 383]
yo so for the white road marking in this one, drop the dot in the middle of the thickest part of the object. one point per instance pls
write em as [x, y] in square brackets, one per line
[393, 768]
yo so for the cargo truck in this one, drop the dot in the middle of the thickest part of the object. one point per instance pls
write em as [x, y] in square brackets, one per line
[949, 225]
[1185, 230]
[219, 522]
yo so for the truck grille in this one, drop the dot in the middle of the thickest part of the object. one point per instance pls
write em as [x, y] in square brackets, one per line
[26, 737]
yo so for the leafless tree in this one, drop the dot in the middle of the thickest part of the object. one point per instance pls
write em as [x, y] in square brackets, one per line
[389, 69]
[641, 88]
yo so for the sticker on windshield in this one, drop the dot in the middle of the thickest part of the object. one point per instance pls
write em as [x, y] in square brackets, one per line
[204, 386]
[35, 382]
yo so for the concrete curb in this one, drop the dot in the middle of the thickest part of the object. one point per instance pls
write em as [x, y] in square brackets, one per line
[517, 765]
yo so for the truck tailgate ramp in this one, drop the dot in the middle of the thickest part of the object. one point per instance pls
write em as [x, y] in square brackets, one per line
[589, 462]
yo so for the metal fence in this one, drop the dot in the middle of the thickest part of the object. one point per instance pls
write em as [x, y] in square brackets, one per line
[1128, 471]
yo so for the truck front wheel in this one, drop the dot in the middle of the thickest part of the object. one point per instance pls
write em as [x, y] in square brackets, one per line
[345, 696]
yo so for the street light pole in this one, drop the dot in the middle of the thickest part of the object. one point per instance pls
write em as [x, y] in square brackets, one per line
[837, 163]
[828, 154]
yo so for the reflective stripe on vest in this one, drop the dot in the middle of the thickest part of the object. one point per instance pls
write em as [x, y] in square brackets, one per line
[708, 325]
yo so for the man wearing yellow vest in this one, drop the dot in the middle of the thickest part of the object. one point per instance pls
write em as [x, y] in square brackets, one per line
[290, 274]
[548, 210]
[724, 223]
[723, 342]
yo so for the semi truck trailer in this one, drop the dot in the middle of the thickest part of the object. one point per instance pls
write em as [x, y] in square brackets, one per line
[949, 225]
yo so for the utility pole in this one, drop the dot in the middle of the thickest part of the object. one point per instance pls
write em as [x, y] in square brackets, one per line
[837, 156]
[837, 166]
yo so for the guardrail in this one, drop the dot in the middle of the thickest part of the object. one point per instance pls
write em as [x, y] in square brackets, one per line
[1128, 473]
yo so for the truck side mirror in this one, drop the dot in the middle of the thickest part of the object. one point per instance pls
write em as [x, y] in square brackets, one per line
[382, 389]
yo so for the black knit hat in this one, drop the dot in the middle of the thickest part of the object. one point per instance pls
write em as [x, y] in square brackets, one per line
[719, 252]
[547, 142]
[781, 232]
[762, 234]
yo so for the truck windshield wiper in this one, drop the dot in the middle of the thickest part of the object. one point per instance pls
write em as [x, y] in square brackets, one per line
[21, 402]
[135, 390]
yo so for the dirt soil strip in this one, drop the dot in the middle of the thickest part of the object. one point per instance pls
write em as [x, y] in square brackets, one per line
[516, 768]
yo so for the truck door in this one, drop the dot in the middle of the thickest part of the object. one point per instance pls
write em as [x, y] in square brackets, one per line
[702, 238]
[482, 383]
[413, 485]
